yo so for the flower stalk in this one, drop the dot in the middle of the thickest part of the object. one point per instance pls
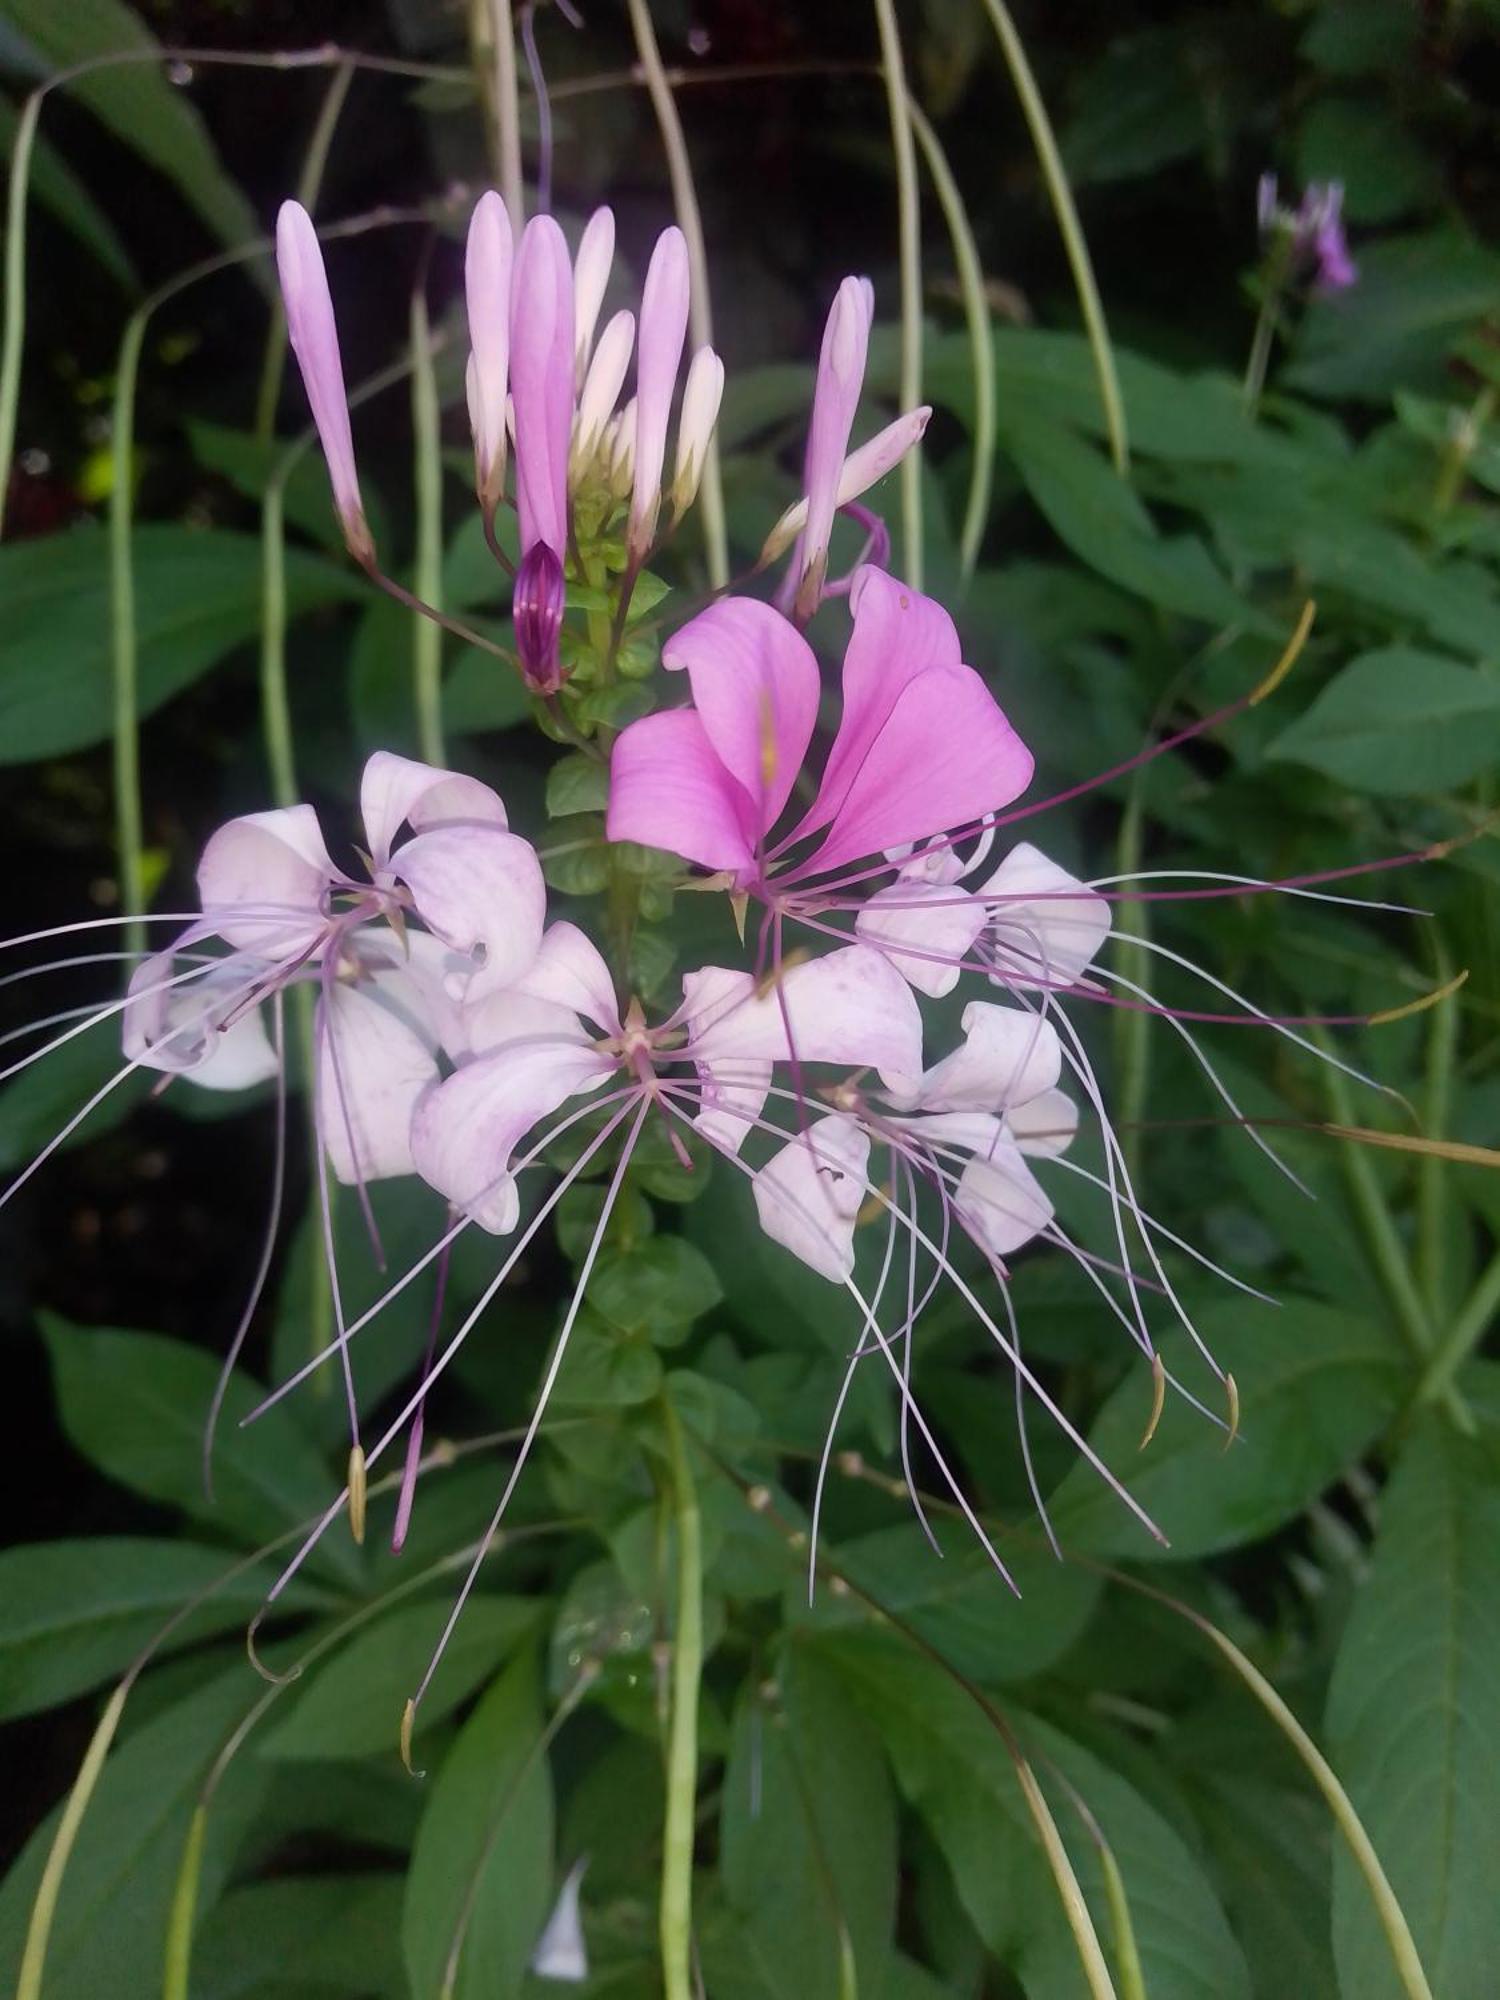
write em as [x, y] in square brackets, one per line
[676, 1917]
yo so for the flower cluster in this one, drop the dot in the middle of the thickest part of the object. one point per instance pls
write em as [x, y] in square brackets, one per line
[1311, 235]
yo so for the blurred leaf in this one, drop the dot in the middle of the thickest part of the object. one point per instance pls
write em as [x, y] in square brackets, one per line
[55, 185]
[488, 1820]
[73, 1614]
[35, 1106]
[1317, 1387]
[198, 595]
[658, 1287]
[136, 1404]
[1400, 723]
[248, 463]
[953, 1766]
[138, 102]
[1141, 106]
[1366, 147]
[1272, 1850]
[1362, 37]
[352, 1705]
[1413, 1719]
[112, 1915]
[332, 1934]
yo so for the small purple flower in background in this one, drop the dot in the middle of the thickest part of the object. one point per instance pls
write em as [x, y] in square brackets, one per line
[1312, 233]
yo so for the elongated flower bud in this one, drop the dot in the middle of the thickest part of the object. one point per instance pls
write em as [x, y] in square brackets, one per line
[596, 253]
[315, 342]
[541, 382]
[861, 469]
[487, 275]
[601, 389]
[619, 445]
[702, 393]
[664, 317]
[540, 599]
[841, 377]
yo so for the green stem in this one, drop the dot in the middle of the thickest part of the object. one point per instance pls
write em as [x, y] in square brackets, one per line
[1432, 1171]
[1132, 1024]
[1277, 270]
[15, 284]
[276, 720]
[129, 838]
[427, 638]
[682, 1744]
[1462, 1337]
[700, 308]
[507, 110]
[977, 319]
[44, 1909]
[179, 1951]
[909, 221]
[1074, 242]
[309, 182]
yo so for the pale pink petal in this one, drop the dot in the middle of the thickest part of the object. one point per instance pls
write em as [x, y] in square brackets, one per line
[601, 390]
[264, 881]
[851, 1008]
[663, 329]
[1045, 1126]
[509, 1018]
[861, 470]
[562, 1951]
[1006, 1057]
[667, 788]
[396, 791]
[702, 394]
[808, 1195]
[464, 1131]
[957, 1131]
[377, 1053]
[596, 253]
[1046, 926]
[755, 685]
[481, 892]
[898, 634]
[488, 257]
[732, 1095]
[314, 335]
[200, 1029]
[1000, 1200]
[541, 382]
[939, 921]
[944, 758]
[836, 392]
[569, 970]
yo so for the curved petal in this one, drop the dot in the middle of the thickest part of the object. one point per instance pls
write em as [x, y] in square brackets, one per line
[851, 1007]
[1000, 1201]
[663, 329]
[481, 892]
[668, 789]
[898, 633]
[464, 1130]
[263, 881]
[1046, 926]
[591, 268]
[755, 686]
[1046, 1125]
[1007, 1057]
[512, 1018]
[570, 971]
[396, 791]
[197, 1029]
[836, 391]
[377, 1053]
[938, 921]
[809, 1194]
[944, 757]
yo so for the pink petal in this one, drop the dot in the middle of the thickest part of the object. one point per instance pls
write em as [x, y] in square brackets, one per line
[1046, 925]
[180, 1029]
[938, 920]
[668, 789]
[481, 892]
[314, 336]
[898, 634]
[840, 378]
[851, 1008]
[755, 685]
[396, 791]
[464, 1131]
[377, 1053]
[510, 1018]
[1046, 1126]
[808, 1195]
[1001, 1201]
[601, 389]
[862, 468]
[663, 329]
[1007, 1056]
[264, 880]
[596, 253]
[541, 379]
[944, 758]
[570, 971]
[488, 257]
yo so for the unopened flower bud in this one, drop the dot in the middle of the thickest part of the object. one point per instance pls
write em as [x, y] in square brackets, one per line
[591, 267]
[315, 342]
[663, 329]
[701, 397]
[540, 599]
[487, 280]
[620, 449]
[861, 469]
[601, 390]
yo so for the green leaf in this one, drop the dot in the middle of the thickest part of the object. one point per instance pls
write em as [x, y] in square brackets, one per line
[658, 1287]
[198, 595]
[248, 463]
[35, 1106]
[1140, 107]
[352, 1705]
[1271, 1846]
[55, 185]
[807, 1837]
[1316, 1387]
[1399, 723]
[958, 1602]
[577, 784]
[1413, 1720]
[73, 1614]
[135, 1404]
[488, 1821]
[112, 1914]
[137, 101]
[952, 1764]
[1370, 151]
[337, 1933]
